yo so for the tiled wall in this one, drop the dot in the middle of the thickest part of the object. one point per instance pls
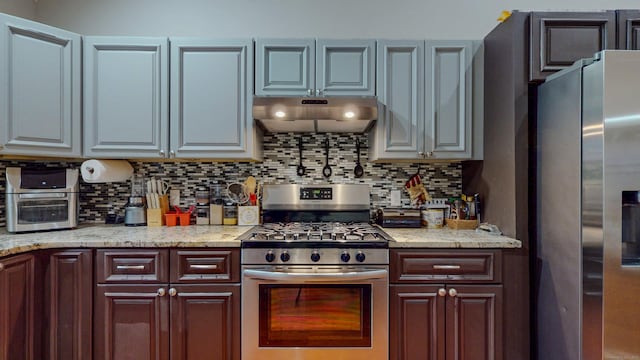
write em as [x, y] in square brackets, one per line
[281, 158]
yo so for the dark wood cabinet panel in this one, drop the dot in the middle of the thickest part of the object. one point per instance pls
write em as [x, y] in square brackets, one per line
[205, 322]
[205, 266]
[450, 320]
[131, 322]
[132, 265]
[416, 322]
[628, 29]
[474, 322]
[451, 266]
[558, 39]
[68, 290]
[19, 309]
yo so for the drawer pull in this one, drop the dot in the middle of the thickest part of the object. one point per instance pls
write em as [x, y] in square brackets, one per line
[203, 267]
[446, 267]
[130, 267]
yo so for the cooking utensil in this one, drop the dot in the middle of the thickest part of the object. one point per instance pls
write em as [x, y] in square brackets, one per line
[358, 171]
[250, 186]
[162, 187]
[301, 170]
[236, 193]
[326, 170]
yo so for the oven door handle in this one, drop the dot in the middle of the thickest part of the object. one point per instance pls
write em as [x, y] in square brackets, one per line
[312, 277]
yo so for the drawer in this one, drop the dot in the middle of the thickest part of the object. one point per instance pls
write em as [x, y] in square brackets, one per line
[446, 266]
[205, 266]
[139, 266]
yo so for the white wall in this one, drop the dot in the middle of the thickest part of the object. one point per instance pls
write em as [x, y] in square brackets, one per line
[22, 8]
[442, 19]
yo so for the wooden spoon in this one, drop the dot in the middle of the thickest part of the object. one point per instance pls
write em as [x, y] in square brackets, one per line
[250, 185]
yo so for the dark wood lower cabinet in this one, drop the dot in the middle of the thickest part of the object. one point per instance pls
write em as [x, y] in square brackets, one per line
[445, 322]
[19, 308]
[68, 289]
[197, 316]
[416, 322]
[474, 322]
[131, 322]
[205, 322]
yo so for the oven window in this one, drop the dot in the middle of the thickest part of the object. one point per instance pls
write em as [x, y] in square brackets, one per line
[43, 211]
[315, 315]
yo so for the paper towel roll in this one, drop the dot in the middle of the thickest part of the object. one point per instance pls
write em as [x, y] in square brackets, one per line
[104, 171]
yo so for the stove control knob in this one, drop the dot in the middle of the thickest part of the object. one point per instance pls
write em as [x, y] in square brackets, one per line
[345, 257]
[360, 256]
[270, 256]
[285, 256]
[315, 257]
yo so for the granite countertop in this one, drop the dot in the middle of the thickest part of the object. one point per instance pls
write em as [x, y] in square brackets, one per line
[447, 238]
[102, 236]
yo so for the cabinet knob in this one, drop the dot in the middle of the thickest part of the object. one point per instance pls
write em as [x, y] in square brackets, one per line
[173, 292]
[453, 292]
[429, 153]
[309, 92]
[319, 92]
[161, 292]
[162, 153]
[442, 292]
[172, 153]
[421, 154]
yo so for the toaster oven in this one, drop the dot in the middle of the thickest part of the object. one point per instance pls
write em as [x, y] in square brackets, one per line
[41, 199]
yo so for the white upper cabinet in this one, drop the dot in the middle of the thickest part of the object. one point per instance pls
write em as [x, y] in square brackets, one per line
[307, 67]
[211, 93]
[399, 130]
[40, 84]
[448, 99]
[125, 97]
[426, 95]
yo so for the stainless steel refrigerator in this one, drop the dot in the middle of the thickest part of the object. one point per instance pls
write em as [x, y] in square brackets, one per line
[588, 210]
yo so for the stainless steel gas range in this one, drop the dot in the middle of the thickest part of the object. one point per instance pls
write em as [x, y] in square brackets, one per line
[315, 277]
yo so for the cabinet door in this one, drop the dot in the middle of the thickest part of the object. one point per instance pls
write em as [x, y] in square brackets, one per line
[398, 133]
[345, 67]
[628, 29]
[40, 92]
[205, 322]
[474, 322]
[211, 97]
[285, 66]
[125, 97]
[68, 305]
[416, 322]
[131, 322]
[19, 336]
[448, 95]
[558, 39]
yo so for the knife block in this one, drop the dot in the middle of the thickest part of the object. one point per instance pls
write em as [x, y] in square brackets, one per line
[155, 217]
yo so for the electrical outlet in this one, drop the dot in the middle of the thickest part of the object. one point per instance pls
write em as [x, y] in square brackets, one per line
[395, 198]
[174, 197]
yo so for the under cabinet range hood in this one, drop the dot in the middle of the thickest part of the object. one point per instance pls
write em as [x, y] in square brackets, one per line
[315, 114]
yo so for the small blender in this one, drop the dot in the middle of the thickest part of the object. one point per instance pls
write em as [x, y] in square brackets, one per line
[134, 212]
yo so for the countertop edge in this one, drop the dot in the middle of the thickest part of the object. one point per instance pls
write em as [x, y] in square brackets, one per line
[110, 236]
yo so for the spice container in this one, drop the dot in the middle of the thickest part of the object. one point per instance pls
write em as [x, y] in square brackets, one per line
[230, 213]
[216, 211]
[202, 207]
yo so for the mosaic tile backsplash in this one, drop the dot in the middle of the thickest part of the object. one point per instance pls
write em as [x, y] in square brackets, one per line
[281, 158]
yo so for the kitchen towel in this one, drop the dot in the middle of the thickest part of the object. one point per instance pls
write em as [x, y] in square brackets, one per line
[104, 171]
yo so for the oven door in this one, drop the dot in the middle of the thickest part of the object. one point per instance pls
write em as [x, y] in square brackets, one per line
[315, 312]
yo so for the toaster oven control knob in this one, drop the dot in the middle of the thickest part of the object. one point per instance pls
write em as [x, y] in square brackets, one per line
[360, 256]
[285, 256]
[270, 256]
[345, 257]
[315, 257]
